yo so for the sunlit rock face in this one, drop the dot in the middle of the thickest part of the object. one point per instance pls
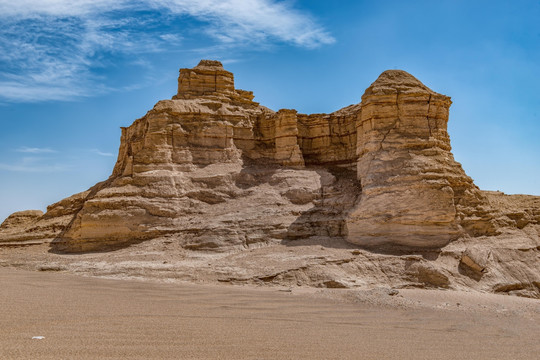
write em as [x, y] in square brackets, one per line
[214, 170]
[329, 139]
[20, 219]
[412, 188]
[180, 170]
[207, 78]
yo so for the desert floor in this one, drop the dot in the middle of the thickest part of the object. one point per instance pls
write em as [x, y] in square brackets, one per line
[95, 318]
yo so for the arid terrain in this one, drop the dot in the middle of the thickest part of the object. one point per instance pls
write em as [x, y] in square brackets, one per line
[353, 234]
[89, 318]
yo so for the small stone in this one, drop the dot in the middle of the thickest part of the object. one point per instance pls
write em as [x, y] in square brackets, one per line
[334, 284]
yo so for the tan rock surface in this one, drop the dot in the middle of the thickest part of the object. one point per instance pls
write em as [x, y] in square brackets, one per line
[36, 227]
[21, 218]
[414, 193]
[213, 181]
[329, 139]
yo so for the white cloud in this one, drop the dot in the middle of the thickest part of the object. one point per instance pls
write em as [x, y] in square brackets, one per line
[32, 168]
[32, 164]
[230, 19]
[101, 153]
[242, 20]
[49, 49]
[35, 150]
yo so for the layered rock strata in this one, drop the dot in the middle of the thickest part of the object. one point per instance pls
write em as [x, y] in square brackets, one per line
[20, 219]
[212, 169]
[329, 139]
[411, 185]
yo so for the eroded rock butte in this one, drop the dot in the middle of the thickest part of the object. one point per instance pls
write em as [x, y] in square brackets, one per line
[215, 170]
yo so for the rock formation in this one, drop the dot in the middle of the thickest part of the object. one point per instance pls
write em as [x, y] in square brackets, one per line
[412, 188]
[215, 170]
[21, 219]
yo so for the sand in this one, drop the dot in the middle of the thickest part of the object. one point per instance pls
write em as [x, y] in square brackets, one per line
[94, 318]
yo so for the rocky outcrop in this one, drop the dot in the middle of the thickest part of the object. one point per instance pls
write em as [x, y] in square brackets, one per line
[276, 138]
[207, 78]
[329, 139]
[34, 227]
[411, 184]
[185, 161]
[213, 170]
[21, 218]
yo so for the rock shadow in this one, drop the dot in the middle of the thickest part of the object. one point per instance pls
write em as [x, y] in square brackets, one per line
[256, 172]
[324, 223]
[471, 273]
[394, 250]
[59, 244]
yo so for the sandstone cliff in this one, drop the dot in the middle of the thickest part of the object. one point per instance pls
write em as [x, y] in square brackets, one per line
[211, 169]
[413, 191]
[217, 169]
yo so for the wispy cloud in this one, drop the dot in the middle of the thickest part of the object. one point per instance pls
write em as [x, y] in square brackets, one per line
[101, 153]
[33, 165]
[47, 160]
[32, 168]
[35, 150]
[50, 49]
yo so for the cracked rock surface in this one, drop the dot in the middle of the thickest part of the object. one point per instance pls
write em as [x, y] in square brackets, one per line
[413, 191]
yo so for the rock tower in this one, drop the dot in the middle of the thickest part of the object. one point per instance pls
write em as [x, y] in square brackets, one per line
[411, 184]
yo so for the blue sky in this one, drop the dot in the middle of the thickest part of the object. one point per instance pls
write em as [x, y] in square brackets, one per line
[73, 72]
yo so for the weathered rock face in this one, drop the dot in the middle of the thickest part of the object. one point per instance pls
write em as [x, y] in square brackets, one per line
[207, 78]
[329, 139]
[35, 227]
[411, 183]
[185, 159]
[21, 218]
[212, 169]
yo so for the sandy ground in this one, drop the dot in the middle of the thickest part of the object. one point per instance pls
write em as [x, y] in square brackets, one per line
[93, 318]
